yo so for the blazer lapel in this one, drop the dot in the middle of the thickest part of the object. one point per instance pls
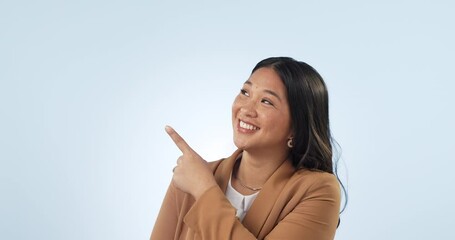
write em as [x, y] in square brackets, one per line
[258, 214]
[223, 171]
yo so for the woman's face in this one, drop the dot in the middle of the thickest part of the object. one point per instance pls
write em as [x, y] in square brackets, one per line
[260, 114]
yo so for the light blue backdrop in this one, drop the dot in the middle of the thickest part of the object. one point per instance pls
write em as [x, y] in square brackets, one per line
[86, 88]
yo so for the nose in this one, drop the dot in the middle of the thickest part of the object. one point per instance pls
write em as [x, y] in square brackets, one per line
[249, 109]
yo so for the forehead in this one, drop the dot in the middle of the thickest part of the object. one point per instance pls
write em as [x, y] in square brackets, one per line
[267, 79]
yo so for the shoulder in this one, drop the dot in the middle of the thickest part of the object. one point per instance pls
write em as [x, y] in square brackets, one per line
[310, 181]
[214, 164]
[315, 176]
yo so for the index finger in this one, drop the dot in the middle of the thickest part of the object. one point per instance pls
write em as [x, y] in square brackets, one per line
[178, 140]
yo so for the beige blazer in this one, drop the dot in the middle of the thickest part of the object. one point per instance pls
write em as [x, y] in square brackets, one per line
[292, 204]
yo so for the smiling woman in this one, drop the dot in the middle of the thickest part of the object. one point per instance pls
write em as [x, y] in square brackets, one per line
[279, 184]
[260, 115]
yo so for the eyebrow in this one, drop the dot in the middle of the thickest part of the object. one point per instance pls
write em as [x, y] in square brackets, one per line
[248, 82]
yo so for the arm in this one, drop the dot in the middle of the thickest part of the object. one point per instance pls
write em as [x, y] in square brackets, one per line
[213, 217]
[166, 222]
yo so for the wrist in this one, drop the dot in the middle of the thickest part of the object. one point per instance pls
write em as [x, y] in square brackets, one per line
[203, 188]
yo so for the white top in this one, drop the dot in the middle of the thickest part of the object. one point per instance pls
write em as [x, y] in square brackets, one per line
[241, 202]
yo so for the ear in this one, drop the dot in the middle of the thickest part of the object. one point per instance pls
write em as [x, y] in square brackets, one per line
[291, 133]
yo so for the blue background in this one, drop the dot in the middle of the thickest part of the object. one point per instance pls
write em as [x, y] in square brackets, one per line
[86, 88]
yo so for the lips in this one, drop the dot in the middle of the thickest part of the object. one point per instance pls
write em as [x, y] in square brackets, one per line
[248, 126]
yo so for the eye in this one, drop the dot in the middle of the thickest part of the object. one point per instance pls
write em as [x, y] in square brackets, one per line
[244, 92]
[267, 102]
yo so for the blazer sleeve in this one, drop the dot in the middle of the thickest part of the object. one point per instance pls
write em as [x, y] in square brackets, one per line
[315, 217]
[213, 217]
[167, 220]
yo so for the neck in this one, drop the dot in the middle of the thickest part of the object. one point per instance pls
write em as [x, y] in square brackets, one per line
[256, 167]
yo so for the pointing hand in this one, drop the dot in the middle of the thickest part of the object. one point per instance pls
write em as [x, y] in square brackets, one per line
[192, 174]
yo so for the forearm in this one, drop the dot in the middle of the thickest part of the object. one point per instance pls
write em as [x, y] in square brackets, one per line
[213, 217]
[167, 220]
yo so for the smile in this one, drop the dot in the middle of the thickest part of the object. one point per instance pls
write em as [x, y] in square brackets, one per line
[245, 125]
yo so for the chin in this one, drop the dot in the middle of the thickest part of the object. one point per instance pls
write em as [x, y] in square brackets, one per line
[241, 145]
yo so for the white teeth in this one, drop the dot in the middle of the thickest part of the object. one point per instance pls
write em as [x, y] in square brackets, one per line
[247, 126]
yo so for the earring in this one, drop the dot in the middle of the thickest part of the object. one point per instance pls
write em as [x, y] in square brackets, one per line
[290, 143]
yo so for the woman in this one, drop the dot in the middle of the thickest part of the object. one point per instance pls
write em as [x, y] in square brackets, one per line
[279, 184]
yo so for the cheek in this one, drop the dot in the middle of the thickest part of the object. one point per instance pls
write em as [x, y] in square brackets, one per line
[284, 122]
[288, 124]
[235, 106]
[234, 110]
